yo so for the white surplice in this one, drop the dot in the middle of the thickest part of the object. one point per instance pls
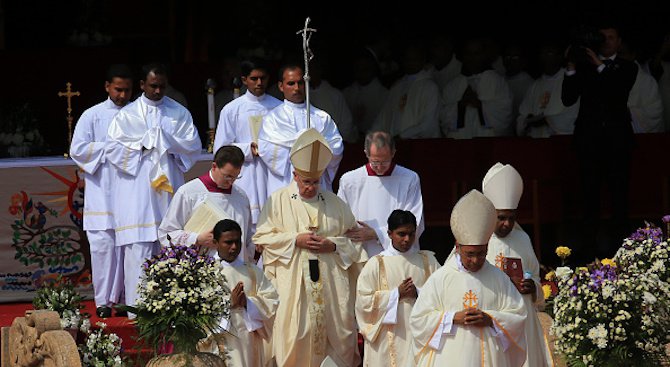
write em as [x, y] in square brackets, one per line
[365, 102]
[496, 97]
[280, 129]
[645, 104]
[383, 318]
[151, 144]
[544, 99]
[372, 198]
[237, 122]
[88, 151]
[187, 200]
[412, 108]
[518, 85]
[447, 73]
[440, 342]
[517, 244]
[331, 100]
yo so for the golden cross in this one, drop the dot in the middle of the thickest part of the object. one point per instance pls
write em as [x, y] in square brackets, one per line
[470, 300]
[500, 259]
[68, 94]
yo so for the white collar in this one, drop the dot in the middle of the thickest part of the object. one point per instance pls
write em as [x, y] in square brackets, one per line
[601, 57]
[237, 262]
[250, 96]
[111, 104]
[294, 105]
[392, 251]
[149, 102]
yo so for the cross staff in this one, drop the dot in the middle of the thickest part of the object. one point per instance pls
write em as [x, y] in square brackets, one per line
[69, 94]
[307, 52]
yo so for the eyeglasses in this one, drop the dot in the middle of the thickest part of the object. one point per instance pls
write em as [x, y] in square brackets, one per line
[231, 178]
[309, 183]
[379, 163]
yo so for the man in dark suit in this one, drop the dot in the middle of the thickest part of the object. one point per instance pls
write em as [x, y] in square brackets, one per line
[603, 135]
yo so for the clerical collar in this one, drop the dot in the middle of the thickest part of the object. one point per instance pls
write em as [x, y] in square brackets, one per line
[371, 172]
[392, 251]
[250, 96]
[151, 102]
[294, 105]
[211, 186]
[237, 262]
[110, 103]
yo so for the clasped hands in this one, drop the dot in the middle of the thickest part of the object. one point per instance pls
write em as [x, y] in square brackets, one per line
[237, 297]
[315, 243]
[472, 317]
[362, 233]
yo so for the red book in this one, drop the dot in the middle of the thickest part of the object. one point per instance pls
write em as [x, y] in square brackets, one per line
[513, 268]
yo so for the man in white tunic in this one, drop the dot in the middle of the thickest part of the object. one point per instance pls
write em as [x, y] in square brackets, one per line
[478, 102]
[216, 190]
[376, 189]
[151, 142]
[387, 289]
[443, 63]
[366, 95]
[239, 124]
[515, 61]
[468, 313]
[542, 113]
[412, 108]
[503, 185]
[282, 126]
[253, 303]
[88, 151]
[307, 257]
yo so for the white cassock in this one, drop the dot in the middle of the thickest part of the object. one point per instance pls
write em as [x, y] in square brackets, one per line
[331, 100]
[544, 99]
[518, 85]
[365, 102]
[88, 151]
[645, 104]
[517, 244]
[280, 129]
[190, 196]
[151, 144]
[496, 98]
[372, 198]
[412, 108]
[239, 124]
[664, 90]
[246, 331]
[439, 342]
[450, 71]
[315, 319]
[383, 318]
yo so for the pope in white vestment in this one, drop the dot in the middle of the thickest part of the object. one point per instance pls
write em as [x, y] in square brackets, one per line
[503, 185]
[307, 257]
[88, 151]
[226, 198]
[239, 125]
[382, 310]
[151, 142]
[469, 313]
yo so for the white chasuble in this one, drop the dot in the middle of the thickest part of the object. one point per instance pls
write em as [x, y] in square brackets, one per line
[439, 342]
[315, 319]
[382, 318]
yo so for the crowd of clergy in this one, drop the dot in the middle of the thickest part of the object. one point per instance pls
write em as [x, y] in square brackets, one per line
[309, 269]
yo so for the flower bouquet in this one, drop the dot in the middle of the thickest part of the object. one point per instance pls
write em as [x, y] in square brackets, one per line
[60, 295]
[101, 349]
[615, 312]
[182, 298]
[550, 282]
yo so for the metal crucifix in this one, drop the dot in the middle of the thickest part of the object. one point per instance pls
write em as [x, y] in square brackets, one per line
[307, 52]
[69, 94]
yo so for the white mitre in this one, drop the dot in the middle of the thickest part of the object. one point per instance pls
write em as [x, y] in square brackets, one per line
[310, 154]
[473, 219]
[503, 185]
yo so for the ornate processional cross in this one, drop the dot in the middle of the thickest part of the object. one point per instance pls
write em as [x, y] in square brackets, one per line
[470, 300]
[308, 55]
[69, 94]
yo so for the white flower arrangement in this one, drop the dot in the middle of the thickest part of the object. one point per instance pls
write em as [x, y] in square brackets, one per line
[616, 312]
[101, 349]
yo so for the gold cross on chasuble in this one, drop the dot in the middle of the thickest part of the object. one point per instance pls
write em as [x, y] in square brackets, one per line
[470, 300]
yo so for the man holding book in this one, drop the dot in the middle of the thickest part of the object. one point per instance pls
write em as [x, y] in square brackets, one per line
[200, 203]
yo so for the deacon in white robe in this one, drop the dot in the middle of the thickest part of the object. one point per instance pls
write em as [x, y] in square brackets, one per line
[307, 257]
[366, 95]
[239, 125]
[503, 186]
[282, 126]
[215, 188]
[645, 104]
[88, 151]
[468, 313]
[330, 99]
[151, 142]
[386, 291]
[253, 302]
[478, 102]
[374, 190]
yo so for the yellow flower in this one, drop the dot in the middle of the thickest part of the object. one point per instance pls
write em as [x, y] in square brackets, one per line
[609, 262]
[546, 289]
[550, 276]
[563, 252]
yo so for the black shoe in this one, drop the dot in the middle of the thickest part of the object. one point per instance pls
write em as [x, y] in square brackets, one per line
[120, 313]
[103, 312]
